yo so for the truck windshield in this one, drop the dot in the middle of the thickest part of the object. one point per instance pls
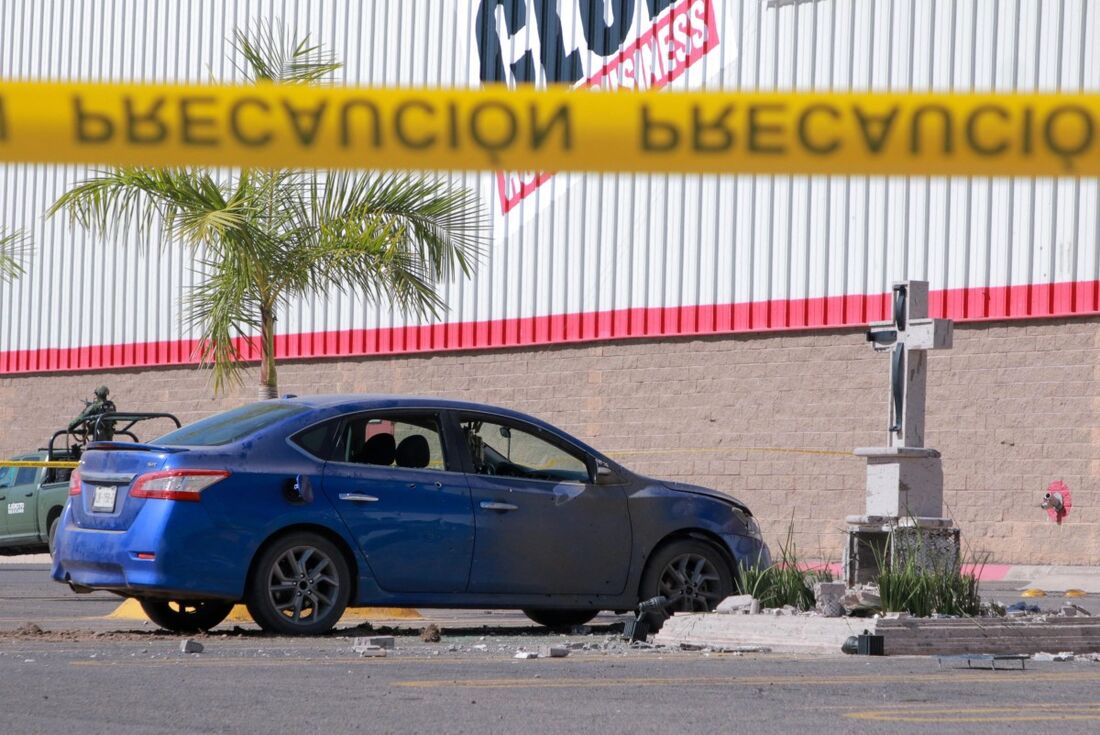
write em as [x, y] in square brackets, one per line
[231, 426]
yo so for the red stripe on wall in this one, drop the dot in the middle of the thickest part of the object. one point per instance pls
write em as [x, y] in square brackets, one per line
[1080, 298]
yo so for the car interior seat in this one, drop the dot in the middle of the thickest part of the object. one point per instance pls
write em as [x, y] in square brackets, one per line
[413, 452]
[380, 449]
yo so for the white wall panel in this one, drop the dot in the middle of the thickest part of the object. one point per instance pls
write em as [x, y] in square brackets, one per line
[593, 256]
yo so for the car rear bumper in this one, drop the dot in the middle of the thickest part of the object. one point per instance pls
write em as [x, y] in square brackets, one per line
[189, 555]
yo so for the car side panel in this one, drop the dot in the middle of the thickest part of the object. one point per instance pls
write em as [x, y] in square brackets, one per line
[658, 512]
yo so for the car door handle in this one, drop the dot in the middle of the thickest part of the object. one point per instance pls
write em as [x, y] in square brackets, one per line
[358, 498]
[489, 505]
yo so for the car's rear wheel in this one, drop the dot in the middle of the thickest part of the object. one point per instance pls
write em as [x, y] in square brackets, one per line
[300, 585]
[186, 616]
[560, 619]
[692, 575]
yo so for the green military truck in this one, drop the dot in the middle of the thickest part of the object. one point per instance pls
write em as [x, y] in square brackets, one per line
[32, 498]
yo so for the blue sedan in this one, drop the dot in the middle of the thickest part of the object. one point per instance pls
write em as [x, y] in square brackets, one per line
[302, 506]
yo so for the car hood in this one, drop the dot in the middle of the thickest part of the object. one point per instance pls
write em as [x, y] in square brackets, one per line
[683, 487]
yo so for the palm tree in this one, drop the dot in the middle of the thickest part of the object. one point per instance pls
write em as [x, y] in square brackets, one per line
[262, 238]
[13, 245]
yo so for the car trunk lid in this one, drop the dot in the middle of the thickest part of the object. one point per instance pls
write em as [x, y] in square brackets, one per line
[107, 472]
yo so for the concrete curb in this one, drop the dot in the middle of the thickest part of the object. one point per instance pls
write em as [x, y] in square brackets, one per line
[902, 637]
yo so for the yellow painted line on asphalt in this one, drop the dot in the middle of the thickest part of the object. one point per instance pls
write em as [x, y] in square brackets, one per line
[959, 715]
[130, 609]
[998, 677]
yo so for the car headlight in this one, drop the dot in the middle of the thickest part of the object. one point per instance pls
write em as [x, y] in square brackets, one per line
[752, 528]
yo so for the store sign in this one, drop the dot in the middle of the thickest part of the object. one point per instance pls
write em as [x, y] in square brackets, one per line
[621, 46]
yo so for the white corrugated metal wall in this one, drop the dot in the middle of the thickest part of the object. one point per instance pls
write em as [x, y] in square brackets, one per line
[583, 256]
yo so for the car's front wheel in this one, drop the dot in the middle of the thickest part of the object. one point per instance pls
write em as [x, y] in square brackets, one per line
[692, 575]
[186, 616]
[560, 619]
[300, 585]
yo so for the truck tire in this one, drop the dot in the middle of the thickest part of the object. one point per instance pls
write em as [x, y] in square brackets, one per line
[52, 532]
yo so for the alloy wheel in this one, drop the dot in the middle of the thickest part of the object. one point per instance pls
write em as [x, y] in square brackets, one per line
[303, 585]
[691, 583]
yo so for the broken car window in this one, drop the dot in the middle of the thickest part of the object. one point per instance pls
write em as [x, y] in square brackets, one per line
[496, 449]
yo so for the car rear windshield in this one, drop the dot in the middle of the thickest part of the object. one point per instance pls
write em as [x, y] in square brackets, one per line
[231, 426]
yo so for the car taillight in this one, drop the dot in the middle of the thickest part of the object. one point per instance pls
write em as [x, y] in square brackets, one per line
[175, 484]
[74, 483]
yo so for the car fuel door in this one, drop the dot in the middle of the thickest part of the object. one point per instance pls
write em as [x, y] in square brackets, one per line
[408, 512]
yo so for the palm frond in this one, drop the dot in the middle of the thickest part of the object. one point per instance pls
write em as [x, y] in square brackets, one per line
[224, 310]
[387, 236]
[14, 251]
[271, 53]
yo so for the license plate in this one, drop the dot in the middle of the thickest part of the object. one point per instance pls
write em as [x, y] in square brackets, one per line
[104, 499]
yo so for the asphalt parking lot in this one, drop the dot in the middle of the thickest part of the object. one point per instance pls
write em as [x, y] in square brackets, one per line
[86, 672]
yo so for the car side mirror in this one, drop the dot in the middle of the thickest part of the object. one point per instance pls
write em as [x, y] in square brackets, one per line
[605, 476]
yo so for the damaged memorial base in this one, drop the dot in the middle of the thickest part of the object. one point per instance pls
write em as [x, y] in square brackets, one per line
[903, 524]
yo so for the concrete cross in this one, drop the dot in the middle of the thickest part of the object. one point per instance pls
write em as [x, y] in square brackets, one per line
[908, 337]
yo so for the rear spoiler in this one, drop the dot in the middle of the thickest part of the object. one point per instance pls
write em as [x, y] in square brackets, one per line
[131, 447]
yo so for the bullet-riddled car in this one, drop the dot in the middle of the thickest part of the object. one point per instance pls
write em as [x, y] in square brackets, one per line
[300, 506]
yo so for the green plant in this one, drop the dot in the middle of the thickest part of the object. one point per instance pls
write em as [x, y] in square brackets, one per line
[262, 238]
[785, 582]
[13, 247]
[920, 590]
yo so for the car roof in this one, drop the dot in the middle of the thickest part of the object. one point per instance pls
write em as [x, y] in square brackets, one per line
[360, 401]
[342, 402]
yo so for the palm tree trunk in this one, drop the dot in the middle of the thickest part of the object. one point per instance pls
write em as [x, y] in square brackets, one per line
[269, 380]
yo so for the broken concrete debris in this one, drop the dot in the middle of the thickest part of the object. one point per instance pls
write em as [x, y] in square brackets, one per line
[553, 651]
[828, 597]
[378, 641]
[371, 652]
[736, 604]
[374, 646]
[431, 634]
[1060, 656]
[864, 598]
[526, 655]
[190, 646]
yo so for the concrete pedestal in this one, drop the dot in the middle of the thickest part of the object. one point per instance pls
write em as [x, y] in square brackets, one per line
[930, 544]
[903, 482]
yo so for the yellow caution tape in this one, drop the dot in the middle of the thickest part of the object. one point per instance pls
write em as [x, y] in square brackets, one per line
[554, 130]
[36, 463]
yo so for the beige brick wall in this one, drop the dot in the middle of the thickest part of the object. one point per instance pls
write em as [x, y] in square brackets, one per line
[1012, 407]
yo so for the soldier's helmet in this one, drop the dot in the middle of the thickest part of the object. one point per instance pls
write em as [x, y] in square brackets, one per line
[102, 392]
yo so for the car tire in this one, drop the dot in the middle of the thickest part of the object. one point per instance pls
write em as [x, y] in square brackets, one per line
[283, 595]
[51, 533]
[560, 619]
[692, 574]
[186, 616]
